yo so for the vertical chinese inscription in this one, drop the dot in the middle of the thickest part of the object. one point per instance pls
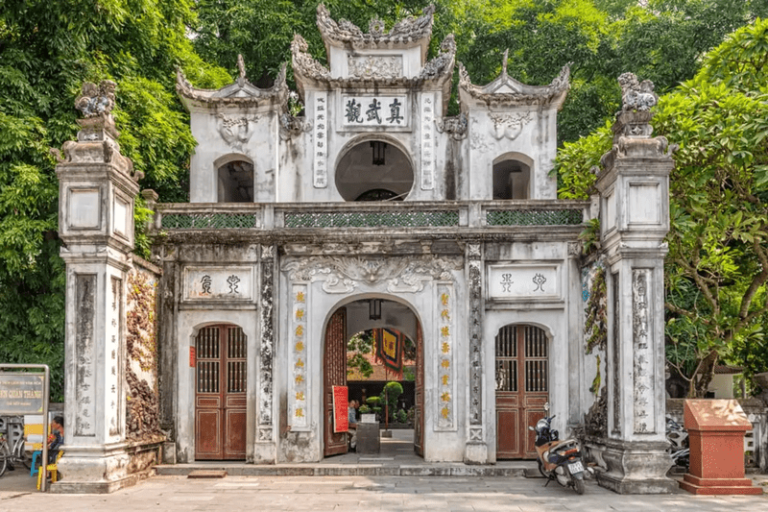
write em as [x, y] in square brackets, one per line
[113, 353]
[85, 378]
[267, 343]
[644, 412]
[321, 140]
[445, 362]
[616, 355]
[475, 335]
[298, 404]
[427, 141]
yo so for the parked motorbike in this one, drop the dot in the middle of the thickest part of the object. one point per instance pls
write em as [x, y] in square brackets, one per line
[678, 443]
[558, 460]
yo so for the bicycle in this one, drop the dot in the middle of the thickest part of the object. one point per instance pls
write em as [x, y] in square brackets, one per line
[17, 454]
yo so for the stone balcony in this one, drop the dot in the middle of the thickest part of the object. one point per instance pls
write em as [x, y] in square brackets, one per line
[553, 220]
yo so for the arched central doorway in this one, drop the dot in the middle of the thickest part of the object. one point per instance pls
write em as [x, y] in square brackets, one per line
[380, 321]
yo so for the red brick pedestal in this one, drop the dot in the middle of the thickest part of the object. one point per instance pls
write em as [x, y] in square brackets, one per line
[716, 435]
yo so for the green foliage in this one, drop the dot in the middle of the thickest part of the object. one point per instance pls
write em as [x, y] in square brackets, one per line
[717, 267]
[596, 325]
[390, 394]
[595, 387]
[358, 346]
[47, 49]
[373, 400]
[401, 416]
[364, 409]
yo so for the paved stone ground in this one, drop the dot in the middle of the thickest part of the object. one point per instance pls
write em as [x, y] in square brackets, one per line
[358, 494]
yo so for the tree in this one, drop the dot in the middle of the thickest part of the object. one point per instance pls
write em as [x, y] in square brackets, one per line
[717, 267]
[47, 50]
[358, 346]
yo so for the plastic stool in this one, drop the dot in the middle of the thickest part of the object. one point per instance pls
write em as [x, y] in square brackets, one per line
[35, 455]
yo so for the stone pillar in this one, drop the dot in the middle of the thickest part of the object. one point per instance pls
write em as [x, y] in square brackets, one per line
[265, 450]
[97, 187]
[634, 219]
[476, 451]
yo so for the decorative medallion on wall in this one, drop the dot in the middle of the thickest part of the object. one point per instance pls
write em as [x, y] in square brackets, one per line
[643, 367]
[321, 140]
[509, 125]
[236, 131]
[446, 373]
[218, 283]
[476, 139]
[427, 141]
[298, 404]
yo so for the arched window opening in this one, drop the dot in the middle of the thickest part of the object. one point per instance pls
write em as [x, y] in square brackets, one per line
[511, 179]
[374, 171]
[235, 182]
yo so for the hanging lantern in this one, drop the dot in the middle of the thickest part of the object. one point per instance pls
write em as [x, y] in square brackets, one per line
[374, 309]
[379, 148]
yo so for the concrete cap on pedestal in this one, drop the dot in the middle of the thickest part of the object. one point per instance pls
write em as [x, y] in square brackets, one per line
[715, 415]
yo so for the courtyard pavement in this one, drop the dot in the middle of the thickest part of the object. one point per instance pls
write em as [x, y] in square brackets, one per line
[348, 494]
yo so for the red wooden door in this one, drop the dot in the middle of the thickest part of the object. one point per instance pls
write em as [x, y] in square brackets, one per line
[522, 385]
[418, 420]
[220, 397]
[335, 370]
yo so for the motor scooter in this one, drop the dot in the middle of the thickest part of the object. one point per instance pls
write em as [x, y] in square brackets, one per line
[558, 460]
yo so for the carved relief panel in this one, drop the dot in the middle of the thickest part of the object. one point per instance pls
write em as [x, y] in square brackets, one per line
[643, 367]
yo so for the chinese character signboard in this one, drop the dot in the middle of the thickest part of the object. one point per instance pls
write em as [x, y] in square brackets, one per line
[21, 393]
[375, 111]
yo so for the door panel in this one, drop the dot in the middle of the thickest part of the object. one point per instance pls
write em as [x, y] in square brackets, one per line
[220, 402]
[418, 420]
[522, 384]
[335, 370]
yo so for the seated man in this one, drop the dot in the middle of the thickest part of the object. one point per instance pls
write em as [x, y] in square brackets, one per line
[352, 420]
[55, 440]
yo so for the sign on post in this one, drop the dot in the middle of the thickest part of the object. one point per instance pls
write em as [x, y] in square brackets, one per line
[21, 393]
[27, 393]
[340, 409]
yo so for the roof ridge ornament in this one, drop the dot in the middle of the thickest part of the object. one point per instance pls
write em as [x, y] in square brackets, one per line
[407, 30]
[507, 91]
[241, 92]
[241, 68]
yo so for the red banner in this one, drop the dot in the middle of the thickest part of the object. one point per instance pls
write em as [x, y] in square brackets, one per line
[192, 359]
[340, 409]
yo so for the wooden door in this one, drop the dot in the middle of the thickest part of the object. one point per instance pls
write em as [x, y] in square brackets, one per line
[418, 420]
[220, 397]
[335, 370]
[522, 383]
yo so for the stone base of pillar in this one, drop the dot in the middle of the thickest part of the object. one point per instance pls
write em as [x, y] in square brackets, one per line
[264, 453]
[636, 467]
[86, 472]
[476, 453]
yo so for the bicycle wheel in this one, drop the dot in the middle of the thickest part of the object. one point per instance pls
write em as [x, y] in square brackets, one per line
[21, 454]
[4, 456]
